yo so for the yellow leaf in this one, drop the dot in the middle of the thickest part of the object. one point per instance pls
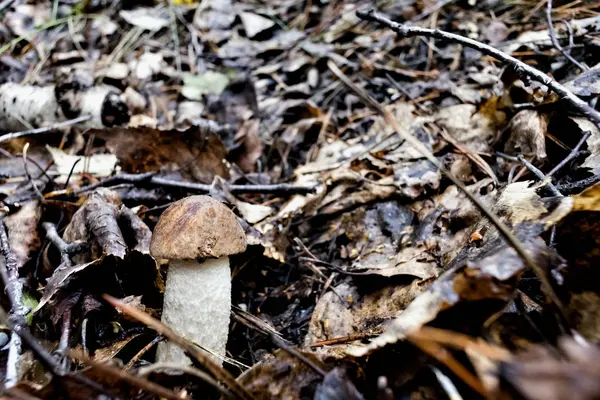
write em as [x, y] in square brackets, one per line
[588, 200]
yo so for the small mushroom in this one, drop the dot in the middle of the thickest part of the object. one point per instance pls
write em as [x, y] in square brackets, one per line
[197, 234]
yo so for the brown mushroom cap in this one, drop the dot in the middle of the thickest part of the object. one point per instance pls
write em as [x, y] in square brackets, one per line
[197, 227]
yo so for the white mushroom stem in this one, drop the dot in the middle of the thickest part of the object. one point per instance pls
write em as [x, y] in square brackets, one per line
[197, 306]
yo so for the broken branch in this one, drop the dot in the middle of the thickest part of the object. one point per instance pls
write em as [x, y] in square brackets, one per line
[520, 67]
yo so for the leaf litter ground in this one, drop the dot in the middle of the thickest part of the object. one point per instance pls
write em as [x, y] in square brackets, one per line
[369, 272]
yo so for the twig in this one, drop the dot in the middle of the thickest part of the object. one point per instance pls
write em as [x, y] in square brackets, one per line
[14, 288]
[63, 344]
[124, 376]
[149, 178]
[420, 147]
[442, 355]
[555, 40]
[5, 4]
[16, 321]
[571, 155]
[540, 175]
[65, 249]
[45, 129]
[345, 339]
[290, 350]
[143, 351]
[579, 185]
[35, 188]
[194, 351]
[187, 370]
[520, 67]
[277, 188]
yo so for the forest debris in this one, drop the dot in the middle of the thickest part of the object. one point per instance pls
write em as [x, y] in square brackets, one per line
[345, 312]
[254, 23]
[249, 146]
[265, 380]
[214, 15]
[151, 19]
[147, 65]
[593, 143]
[22, 231]
[98, 165]
[528, 134]
[115, 237]
[193, 154]
[473, 130]
[480, 270]
[24, 106]
[539, 374]
[210, 82]
[336, 386]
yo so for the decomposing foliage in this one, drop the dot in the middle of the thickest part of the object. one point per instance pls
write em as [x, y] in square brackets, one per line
[402, 202]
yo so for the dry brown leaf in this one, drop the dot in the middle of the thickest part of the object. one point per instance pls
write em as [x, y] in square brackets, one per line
[195, 154]
[22, 231]
[528, 134]
[588, 200]
[266, 379]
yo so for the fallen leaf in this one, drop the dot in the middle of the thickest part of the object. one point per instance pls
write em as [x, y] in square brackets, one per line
[98, 165]
[254, 23]
[528, 134]
[150, 19]
[210, 82]
[22, 231]
[193, 153]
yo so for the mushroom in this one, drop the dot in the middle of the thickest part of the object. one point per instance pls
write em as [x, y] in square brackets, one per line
[197, 234]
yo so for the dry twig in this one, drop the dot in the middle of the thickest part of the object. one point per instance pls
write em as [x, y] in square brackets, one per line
[194, 351]
[520, 67]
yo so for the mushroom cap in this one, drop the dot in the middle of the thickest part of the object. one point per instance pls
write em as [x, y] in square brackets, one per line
[197, 227]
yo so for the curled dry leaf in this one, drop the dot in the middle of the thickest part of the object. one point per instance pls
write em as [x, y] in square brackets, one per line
[528, 134]
[472, 129]
[116, 237]
[22, 231]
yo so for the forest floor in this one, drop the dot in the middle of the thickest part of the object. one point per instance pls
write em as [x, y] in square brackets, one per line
[416, 181]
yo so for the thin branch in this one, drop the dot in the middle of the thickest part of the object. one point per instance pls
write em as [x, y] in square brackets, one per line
[14, 289]
[292, 351]
[186, 369]
[194, 351]
[539, 174]
[65, 249]
[420, 147]
[571, 155]
[149, 178]
[346, 339]
[520, 67]
[125, 376]
[555, 40]
[45, 129]
[35, 188]
[579, 185]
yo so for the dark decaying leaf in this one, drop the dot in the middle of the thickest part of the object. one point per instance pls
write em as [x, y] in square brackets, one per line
[118, 242]
[540, 373]
[336, 386]
[485, 269]
[22, 231]
[192, 154]
[281, 376]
